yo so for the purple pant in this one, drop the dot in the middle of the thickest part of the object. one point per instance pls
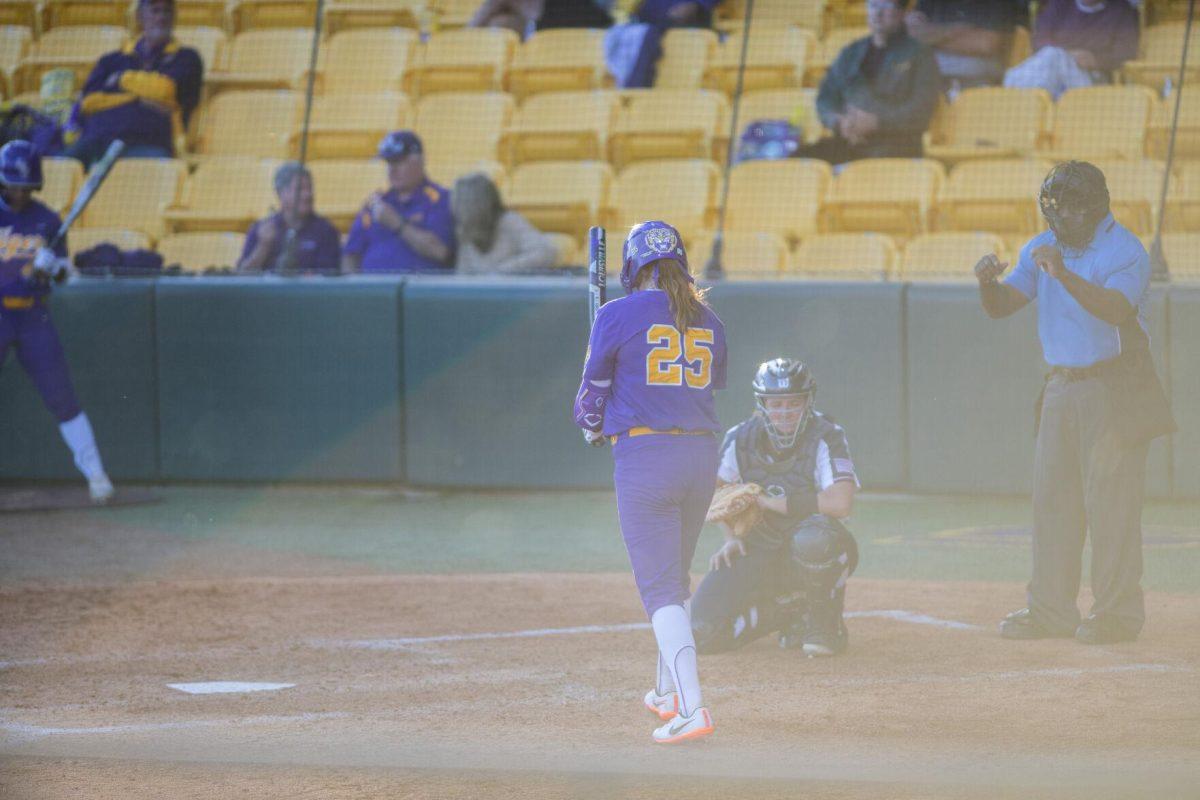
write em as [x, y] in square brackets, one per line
[664, 487]
[40, 353]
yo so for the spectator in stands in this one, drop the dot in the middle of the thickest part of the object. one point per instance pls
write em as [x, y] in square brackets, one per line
[408, 228]
[879, 94]
[492, 238]
[1077, 43]
[143, 94]
[516, 15]
[632, 50]
[970, 38]
[295, 238]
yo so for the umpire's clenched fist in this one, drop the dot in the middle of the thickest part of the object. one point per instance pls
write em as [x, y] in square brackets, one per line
[989, 268]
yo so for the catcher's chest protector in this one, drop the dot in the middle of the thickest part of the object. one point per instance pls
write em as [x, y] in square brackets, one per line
[793, 474]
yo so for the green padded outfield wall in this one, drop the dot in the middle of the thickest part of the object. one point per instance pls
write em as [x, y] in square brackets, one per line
[265, 380]
[107, 330]
[1185, 388]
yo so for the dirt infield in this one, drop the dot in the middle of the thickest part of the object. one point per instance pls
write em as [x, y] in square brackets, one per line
[916, 708]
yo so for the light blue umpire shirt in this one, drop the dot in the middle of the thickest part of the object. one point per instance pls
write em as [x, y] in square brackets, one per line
[1070, 335]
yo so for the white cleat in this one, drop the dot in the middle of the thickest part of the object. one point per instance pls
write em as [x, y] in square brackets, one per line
[663, 706]
[101, 489]
[682, 728]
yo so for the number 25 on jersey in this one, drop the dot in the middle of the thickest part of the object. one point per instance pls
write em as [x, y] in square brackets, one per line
[662, 362]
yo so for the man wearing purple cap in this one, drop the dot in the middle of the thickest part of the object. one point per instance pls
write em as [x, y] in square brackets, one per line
[654, 359]
[408, 228]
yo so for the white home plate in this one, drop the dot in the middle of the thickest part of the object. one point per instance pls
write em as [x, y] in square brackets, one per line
[228, 687]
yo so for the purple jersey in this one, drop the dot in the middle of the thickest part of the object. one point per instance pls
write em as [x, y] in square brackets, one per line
[383, 250]
[659, 378]
[21, 234]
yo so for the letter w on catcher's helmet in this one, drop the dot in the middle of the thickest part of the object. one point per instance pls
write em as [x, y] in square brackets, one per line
[20, 165]
[649, 242]
[783, 378]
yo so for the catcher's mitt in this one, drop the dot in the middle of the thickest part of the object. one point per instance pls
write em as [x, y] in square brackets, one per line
[735, 505]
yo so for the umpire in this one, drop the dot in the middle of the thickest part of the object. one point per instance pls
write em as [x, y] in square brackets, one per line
[1101, 405]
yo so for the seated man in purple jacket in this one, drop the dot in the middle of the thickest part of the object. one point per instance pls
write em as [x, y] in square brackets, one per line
[295, 238]
[143, 93]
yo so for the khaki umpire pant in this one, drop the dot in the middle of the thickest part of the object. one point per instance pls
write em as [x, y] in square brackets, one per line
[1085, 480]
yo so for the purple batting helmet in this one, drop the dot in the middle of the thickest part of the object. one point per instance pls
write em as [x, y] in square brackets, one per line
[648, 242]
[20, 165]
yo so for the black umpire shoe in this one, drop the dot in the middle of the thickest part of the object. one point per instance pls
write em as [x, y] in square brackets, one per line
[1022, 625]
[1103, 630]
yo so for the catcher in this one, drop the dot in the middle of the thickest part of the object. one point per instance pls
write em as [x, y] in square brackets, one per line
[785, 481]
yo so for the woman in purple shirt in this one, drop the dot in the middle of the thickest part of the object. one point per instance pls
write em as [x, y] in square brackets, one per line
[654, 359]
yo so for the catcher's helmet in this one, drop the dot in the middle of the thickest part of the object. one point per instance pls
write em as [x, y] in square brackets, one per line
[649, 242]
[1074, 199]
[20, 165]
[783, 378]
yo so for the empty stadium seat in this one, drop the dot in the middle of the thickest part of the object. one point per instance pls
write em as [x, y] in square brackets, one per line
[563, 196]
[447, 170]
[809, 14]
[686, 53]
[1187, 132]
[559, 126]
[1100, 122]
[206, 13]
[81, 239]
[466, 60]
[196, 252]
[557, 60]
[135, 194]
[1160, 53]
[1134, 189]
[948, 256]
[247, 15]
[367, 60]
[248, 124]
[991, 122]
[224, 194]
[76, 48]
[463, 125]
[343, 15]
[1183, 198]
[352, 125]
[566, 249]
[60, 13]
[826, 53]
[776, 58]
[680, 191]
[845, 257]
[752, 255]
[993, 195]
[275, 58]
[453, 13]
[341, 187]
[666, 123]
[779, 197]
[1182, 253]
[207, 41]
[20, 13]
[61, 179]
[798, 106]
[15, 42]
[889, 195]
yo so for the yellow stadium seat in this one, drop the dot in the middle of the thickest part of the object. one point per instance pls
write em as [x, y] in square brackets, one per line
[558, 60]
[341, 187]
[679, 191]
[61, 13]
[798, 106]
[1182, 253]
[776, 58]
[1187, 133]
[81, 239]
[845, 257]
[1161, 50]
[15, 43]
[209, 42]
[75, 47]
[343, 15]
[135, 194]
[561, 196]
[196, 252]
[1020, 47]
[351, 125]
[203, 13]
[809, 14]
[746, 255]
[247, 15]
[999, 195]
[779, 197]
[821, 57]
[224, 194]
[558, 126]
[20, 13]
[272, 58]
[1134, 189]
[446, 171]
[1100, 122]
[465, 60]
[889, 195]
[367, 60]
[1183, 198]
[248, 124]
[666, 123]
[566, 249]
[463, 125]
[948, 256]
[686, 53]
[1160, 11]
[991, 122]
[61, 179]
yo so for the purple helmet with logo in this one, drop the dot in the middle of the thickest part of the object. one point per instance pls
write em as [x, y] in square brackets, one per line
[20, 165]
[648, 242]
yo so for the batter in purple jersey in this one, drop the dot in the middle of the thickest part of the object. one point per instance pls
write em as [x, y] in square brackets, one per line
[27, 267]
[654, 360]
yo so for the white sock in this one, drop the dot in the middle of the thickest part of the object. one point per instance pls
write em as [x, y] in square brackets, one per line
[77, 433]
[677, 647]
[665, 684]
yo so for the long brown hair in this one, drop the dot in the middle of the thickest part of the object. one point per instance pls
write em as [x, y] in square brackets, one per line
[686, 298]
[477, 208]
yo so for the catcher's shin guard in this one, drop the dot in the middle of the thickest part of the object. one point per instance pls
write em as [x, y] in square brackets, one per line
[824, 554]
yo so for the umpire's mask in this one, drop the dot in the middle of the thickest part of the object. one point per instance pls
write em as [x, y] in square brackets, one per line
[1074, 199]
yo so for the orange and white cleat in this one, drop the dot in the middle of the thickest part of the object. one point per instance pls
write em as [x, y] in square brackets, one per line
[682, 728]
[663, 706]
